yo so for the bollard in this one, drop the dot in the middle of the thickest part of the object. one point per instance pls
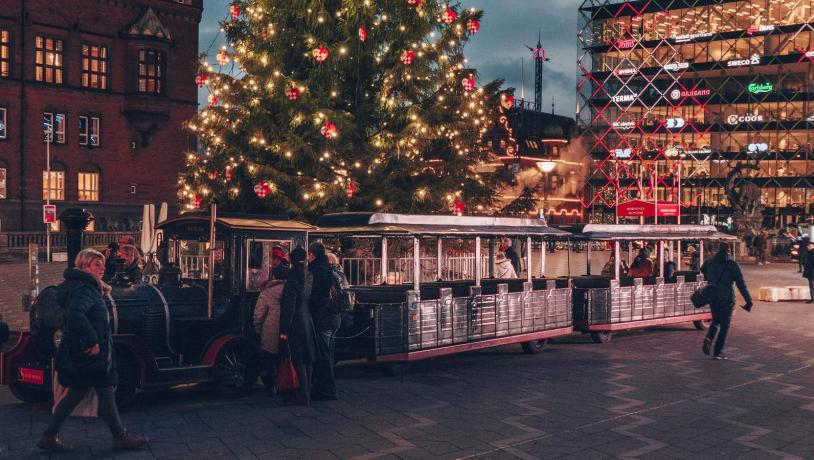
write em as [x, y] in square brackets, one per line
[75, 221]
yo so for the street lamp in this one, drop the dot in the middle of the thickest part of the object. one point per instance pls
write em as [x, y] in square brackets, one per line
[546, 167]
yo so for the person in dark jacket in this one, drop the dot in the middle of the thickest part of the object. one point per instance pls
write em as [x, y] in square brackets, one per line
[507, 249]
[722, 271]
[326, 321]
[132, 263]
[296, 326]
[85, 358]
[808, 270]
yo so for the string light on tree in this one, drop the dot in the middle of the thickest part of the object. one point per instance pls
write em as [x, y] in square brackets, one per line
[350, 189]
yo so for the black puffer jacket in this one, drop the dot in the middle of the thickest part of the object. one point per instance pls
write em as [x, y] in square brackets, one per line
[295, 320]
[87, 323]
[323, 310]
[722, 271]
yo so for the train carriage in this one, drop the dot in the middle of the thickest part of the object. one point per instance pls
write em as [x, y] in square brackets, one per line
[426, 285]
[612, 301]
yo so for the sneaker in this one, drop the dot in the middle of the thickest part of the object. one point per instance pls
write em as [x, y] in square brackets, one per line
[129, 442]
[707, 345]
[53, 444]
[720, 356]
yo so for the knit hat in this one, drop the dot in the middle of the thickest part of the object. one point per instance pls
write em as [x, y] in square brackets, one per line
[277, 253]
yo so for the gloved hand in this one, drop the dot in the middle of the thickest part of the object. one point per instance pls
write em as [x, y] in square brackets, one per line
[747, 306]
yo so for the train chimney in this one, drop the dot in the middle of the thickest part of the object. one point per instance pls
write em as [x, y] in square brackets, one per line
[75, 221]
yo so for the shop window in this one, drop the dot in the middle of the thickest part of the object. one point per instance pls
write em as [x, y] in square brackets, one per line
[48, 60]
[3, 117]
[54, 124]
[94, 66]
[5, 53]
[151, 71]
[90, 131]
[88, 185]
[53, 185]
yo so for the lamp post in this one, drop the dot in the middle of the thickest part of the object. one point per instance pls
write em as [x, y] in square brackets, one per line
[546, 167]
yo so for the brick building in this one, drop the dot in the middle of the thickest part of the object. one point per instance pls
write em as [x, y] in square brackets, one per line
[116, 79]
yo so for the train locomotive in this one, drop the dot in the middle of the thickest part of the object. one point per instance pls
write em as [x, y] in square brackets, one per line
[183, 327]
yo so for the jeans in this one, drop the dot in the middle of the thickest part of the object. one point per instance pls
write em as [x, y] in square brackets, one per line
[107, 409]
[721, 318]
[324, 383]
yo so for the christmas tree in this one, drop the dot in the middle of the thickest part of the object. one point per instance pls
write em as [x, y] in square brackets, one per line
[334, 105]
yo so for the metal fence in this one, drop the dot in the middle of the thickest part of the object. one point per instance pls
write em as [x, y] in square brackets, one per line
[21, 240]
[431, 324]
[368, 272]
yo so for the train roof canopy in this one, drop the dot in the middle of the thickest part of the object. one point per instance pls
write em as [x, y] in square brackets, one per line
[648, 232]
[245, 223]
[369, 223]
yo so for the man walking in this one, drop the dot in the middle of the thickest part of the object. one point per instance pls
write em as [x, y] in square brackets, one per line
[722, 271]
[326, 321]
[808, 269]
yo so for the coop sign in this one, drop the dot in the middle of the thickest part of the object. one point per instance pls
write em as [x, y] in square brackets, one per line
[753, 60]
[676, 66]
[737, 119]
[679, 94]
[625, 97]
[760, 88]
[690, 37]
[759, 29]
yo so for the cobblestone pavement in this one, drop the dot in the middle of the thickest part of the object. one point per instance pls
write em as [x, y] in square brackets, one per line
[646, 394]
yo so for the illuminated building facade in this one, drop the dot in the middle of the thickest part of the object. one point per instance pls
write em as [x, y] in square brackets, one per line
[675, 94]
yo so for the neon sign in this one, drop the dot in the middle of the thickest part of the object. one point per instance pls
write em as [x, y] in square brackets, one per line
[623, 125]
[675, 123]
[625, 97]
[759, 29]
[690, 37]
[676, 66]
[623, 72]
[760, 88]
[625, 43]
[753, 60]
[735, 119]
[678, 94]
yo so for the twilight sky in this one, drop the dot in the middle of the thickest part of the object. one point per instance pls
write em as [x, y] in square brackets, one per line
[496, 51]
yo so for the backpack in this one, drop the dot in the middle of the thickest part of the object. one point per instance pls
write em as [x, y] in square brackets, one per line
[48, 311]
[342, 298]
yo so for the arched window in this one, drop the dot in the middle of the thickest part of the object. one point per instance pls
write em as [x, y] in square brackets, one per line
[53, 184]
[88, 183]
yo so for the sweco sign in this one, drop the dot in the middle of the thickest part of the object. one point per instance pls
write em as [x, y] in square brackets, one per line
[735, 119]
[753, 60]
[678, 94]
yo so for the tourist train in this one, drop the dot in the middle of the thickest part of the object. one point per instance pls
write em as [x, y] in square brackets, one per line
[425, 286]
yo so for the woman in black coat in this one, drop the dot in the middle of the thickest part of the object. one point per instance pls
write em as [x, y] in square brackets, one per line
[85, 357]
[296, 325]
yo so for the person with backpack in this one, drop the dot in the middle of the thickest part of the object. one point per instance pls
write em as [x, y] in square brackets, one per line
[85, 358]
[722, 272]
[325, 310]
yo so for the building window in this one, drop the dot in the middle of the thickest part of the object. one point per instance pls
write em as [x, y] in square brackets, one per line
[3, 184]
[3, 132]
[150, 71]
[48, 60]
[88, 186]
[90, 131]
[53, 185]
[5, 53]
[54, 123]
[94, 66]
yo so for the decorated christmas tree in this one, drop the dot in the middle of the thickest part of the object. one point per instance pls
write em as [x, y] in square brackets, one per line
[332, 105]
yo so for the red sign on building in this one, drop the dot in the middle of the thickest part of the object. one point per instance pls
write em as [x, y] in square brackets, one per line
[639, 208]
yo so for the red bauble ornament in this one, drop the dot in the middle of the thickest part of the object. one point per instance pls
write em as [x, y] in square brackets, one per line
[328, 130]
[507, 101]
[234, 10]
[320, 54]
[262, 189]
[213, 100]
[223, 57]
[449, 16]
[201, 80]
[197, 201]
[468, 83]
[457, 207]
[213, 175]
[350, 189]
[265, 32]
[362, 33]
[415, 3]
[229, 173]
[292, 93]
[473, 26]
[407, 57]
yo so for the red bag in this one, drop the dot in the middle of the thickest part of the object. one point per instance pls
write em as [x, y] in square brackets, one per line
[287, 379]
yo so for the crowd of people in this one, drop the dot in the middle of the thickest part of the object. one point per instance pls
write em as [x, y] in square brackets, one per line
[296, 318]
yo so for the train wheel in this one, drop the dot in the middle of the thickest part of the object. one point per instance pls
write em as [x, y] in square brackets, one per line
[236, 369]
[128, 381]
[701, 325]
[601, 336]
[28, 394]
[534, 346]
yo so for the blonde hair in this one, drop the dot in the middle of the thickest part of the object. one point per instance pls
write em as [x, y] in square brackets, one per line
[86, 257]
[332, 258]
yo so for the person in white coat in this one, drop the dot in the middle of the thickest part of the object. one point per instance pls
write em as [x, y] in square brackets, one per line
[267, 323]
[504, 267]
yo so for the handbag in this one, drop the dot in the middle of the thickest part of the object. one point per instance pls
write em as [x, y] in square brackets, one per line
[708, 294]
[287, 379]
